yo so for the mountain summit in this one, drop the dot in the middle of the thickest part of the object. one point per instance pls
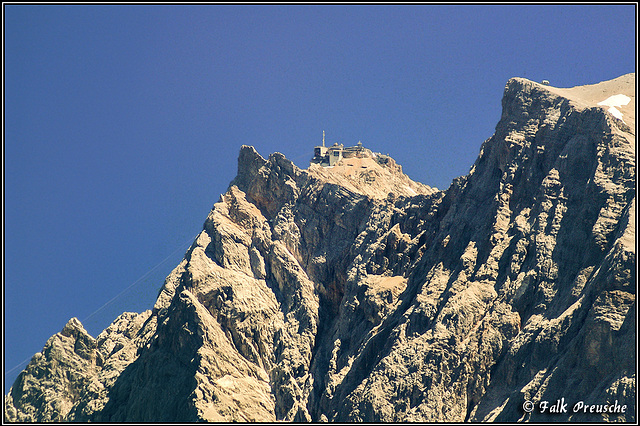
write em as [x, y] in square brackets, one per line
[351, 293]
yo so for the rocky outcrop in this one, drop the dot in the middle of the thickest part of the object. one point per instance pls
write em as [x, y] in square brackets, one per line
[71, 377]
[354, 294]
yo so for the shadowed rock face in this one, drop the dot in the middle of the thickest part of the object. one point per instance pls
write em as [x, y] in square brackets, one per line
[355, 294]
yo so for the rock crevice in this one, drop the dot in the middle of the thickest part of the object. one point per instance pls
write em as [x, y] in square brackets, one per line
[356, 294]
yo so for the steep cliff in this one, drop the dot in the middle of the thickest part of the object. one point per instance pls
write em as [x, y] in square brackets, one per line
[354, 294]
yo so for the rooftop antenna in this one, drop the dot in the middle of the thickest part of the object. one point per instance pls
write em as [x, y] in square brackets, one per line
[323, 138]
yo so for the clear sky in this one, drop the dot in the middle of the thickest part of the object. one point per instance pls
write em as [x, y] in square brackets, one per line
[122, 124]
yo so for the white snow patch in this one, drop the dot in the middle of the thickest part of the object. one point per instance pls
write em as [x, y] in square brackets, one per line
[616, 101]
[410, 190]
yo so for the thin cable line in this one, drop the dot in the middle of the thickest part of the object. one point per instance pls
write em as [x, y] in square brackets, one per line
[23, 362]
[139, 279]
[119, 294]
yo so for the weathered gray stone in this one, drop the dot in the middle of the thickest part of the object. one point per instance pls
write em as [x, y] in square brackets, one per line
[355, 294]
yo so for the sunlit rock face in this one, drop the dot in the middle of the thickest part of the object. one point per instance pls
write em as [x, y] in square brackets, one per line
[352, 293]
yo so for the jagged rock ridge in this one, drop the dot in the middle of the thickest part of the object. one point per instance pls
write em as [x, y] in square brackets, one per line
[355, 294]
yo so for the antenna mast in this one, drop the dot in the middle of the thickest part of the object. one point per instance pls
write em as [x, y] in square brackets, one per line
[323, 138]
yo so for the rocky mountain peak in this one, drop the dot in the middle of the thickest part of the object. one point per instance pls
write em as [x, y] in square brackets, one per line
[351, 293]
[376, 177]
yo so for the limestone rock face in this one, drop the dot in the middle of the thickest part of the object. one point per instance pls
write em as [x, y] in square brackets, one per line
[355, 294]
[71, 377]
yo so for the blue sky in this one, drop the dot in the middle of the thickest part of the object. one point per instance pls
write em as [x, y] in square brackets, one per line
[122, 124]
